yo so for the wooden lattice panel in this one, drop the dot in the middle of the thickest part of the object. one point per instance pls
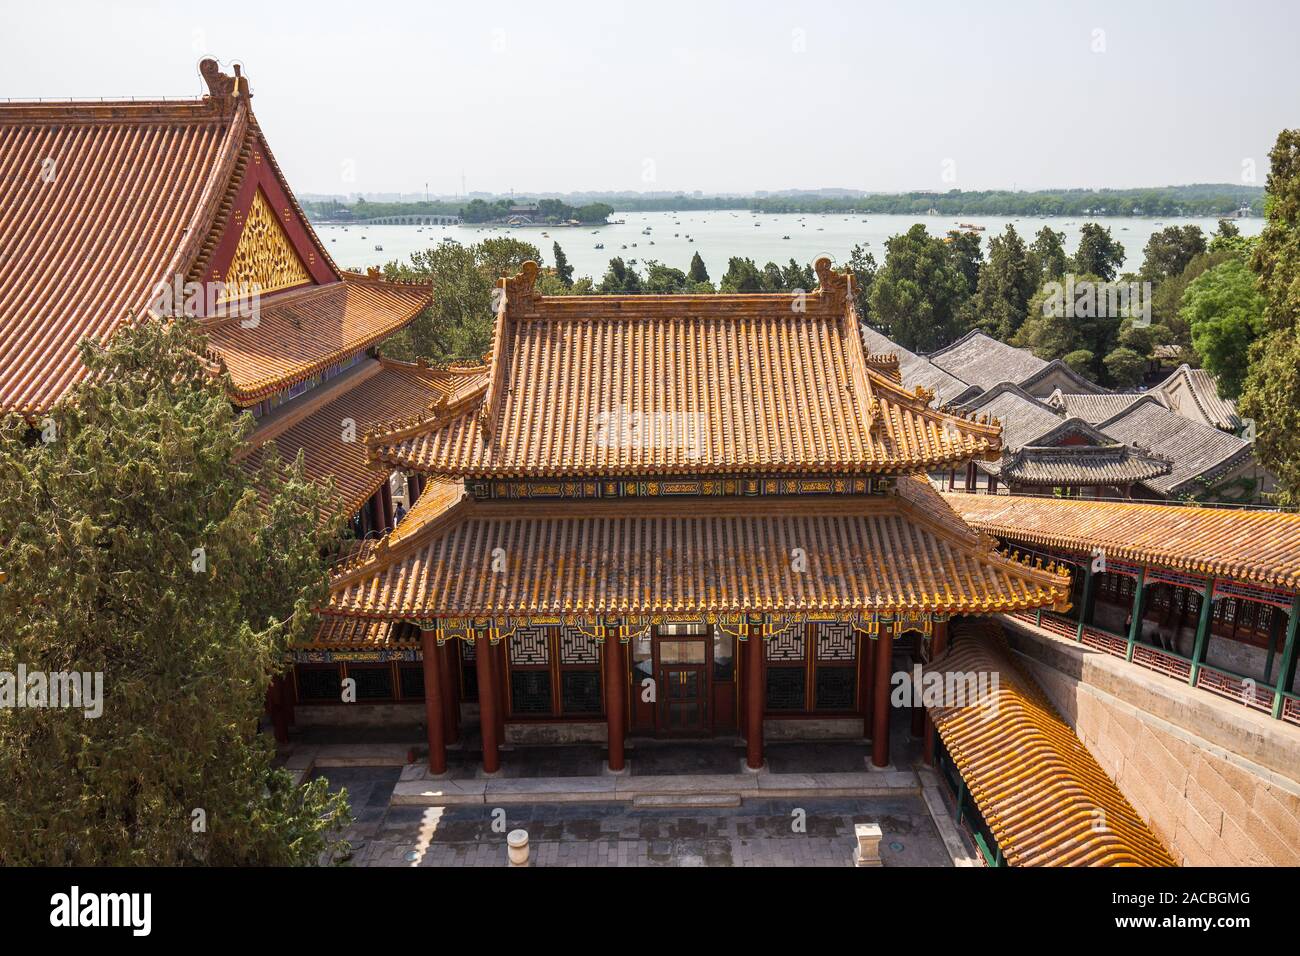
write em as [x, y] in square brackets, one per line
[787, 646]
[577, 647]
[530, 645]
[835, 642]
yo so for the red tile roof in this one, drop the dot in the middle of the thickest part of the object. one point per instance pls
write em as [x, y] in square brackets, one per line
[301, 332]
[104, 201]
[367, 395]
[101, 202]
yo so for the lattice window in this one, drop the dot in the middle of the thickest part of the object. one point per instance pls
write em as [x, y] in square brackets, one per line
[577, 647]
[466, 650]
[785, 688]
[836, 688]
[373, 683]
[531, 645]
[836, 642]
[319, 684]
[530, 692]
[790, 645]
[411, 679]
[580, 692]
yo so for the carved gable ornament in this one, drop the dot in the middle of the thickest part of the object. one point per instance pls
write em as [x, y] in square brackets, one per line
[265, 256]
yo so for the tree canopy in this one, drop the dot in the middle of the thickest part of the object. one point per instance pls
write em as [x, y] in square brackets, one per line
[134, 545]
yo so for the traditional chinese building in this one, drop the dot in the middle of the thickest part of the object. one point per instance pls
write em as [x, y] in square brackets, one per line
[1206, 596]
[667, 516]
[108, 202]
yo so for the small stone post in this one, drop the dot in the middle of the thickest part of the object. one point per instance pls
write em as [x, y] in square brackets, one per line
[517, 841]
[868, 851]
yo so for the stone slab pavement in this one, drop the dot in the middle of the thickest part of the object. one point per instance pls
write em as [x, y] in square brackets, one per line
[801, 830]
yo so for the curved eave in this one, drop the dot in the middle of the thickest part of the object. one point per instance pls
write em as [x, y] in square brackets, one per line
[395, 456]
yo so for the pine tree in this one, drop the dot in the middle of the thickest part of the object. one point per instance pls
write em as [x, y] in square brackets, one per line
[134, 544]
[562, 268]
[697, 271]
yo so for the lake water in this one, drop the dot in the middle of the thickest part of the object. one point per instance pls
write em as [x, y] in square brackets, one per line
[718, 235]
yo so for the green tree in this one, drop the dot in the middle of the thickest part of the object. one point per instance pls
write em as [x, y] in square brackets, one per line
[862, 265]
[1047, 253]
[1098, 254]
[772, 278]
[1229, 237]
[918, 293]
[742, 276]
[1168, 252]
[563, 270]
[697, 271]
[1124, 367]
[664, 280]
[1271, 396]
[1058, 329]
[620, 279]
[1225, 311]
[964, 246]
[457, 326]
[1006, 284]
[795, 276]
[1082, 361]
[135, 545]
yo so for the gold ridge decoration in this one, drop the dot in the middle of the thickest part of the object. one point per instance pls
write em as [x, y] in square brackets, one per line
[264, 259]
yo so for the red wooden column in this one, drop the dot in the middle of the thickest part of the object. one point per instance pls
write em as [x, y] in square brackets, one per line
[386, 502]
[938, 644]
[615, 695]
[376, 505]
[868, 654]
[489, 715]
[755, 691]
[433, 714]
[918, 706]
[880, 702]
[450, 691]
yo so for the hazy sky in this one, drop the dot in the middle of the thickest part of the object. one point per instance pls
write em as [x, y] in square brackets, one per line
[710, 95]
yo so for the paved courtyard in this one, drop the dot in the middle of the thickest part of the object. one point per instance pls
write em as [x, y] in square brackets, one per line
[777, 832]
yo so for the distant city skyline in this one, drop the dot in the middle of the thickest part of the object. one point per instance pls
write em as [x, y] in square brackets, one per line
[716, 99]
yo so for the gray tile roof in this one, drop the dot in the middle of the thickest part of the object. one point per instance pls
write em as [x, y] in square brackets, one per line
[1094, 408]
[1023, 417]
[1195, 449]
[1204, 390]
[1082, 465]
[915, 369]
[982, 360]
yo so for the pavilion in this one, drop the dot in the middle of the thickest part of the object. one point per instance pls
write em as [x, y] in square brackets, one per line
[669, 516]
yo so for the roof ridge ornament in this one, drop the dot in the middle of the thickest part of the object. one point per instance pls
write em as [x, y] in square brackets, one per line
[836, 287]
[520, 289]
[222, 86]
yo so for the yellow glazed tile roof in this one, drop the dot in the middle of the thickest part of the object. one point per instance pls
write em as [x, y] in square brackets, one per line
[316, 425]
[1239, 543]
[1044, 796]
[302, 332]
[902, 552]
[684, 384]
